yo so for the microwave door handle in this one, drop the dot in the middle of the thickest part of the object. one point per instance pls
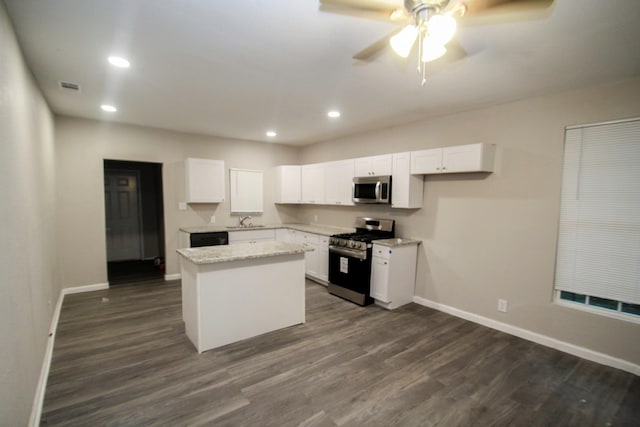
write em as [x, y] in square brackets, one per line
[377, 191]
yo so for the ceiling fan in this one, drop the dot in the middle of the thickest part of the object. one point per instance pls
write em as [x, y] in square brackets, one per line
[430, 23]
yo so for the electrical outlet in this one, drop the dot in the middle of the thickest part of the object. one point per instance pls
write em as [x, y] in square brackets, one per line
[212, 219]
[315, 218]
[502, 305]
[182, 206]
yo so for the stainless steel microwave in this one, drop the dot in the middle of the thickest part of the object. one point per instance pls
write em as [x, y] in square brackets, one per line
[372, 189]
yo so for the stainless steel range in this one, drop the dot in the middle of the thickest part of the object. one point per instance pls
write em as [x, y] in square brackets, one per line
[350, 259]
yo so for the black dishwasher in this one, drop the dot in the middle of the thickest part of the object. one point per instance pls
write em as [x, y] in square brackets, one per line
[214, 238]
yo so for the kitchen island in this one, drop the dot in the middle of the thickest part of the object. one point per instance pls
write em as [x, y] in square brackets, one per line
[233, 292]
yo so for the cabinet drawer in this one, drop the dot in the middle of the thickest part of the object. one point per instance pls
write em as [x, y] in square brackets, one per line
[251, 235]
[380, 251]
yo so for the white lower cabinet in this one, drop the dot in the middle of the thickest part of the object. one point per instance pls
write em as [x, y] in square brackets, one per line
[251, 236]
[317, 260]
[393, 275]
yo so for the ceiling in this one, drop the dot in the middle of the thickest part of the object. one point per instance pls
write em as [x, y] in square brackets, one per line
[239, 68]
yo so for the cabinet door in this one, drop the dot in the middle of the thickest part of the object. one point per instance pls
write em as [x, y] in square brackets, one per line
[309, 257]
[374, 165]
[338, 182]
[204, 181]
[380, 279]
[287, 184]
[467, 158]
[323, 258]
[245, 191]
[382, 165]
[363, 166]
[426, 161]
[313, 183]
[406, 189]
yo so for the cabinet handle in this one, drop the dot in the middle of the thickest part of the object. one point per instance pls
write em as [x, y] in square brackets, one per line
[443, 168]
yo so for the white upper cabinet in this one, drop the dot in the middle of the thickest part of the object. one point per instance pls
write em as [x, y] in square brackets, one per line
[204, 180]
[406, 189]
[374, 165]
[313, 183]
[426, 161]
[456, 159]
[338, 182]
[245, 191]
[287, 181]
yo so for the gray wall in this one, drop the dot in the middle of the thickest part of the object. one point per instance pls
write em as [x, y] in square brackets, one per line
[81, 147]
[29, 289]
[490, 237]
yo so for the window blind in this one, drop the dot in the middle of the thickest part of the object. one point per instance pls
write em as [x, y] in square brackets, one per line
[599, 232]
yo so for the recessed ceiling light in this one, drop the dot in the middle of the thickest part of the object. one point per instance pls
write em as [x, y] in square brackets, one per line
[271, 133]
[333, 114]
[118, 61]
[109, 108]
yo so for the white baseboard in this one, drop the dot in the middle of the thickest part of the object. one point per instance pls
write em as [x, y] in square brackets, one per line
[168, 277]
[85, 288]
[38, 400]
[528, 335]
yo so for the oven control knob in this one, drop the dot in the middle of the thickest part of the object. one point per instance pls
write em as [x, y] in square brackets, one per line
[352, 244]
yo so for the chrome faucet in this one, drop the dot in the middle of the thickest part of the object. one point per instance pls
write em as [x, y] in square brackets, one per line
[243, 219]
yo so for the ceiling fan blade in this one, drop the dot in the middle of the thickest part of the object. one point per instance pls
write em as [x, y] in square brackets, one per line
[379, 5]
[370, 52]
[484, 12]
[455, 52]
[374, 15]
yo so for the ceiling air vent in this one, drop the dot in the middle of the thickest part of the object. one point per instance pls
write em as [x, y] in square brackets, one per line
[70, 86]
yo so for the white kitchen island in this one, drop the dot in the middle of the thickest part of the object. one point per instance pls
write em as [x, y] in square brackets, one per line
[233, 292]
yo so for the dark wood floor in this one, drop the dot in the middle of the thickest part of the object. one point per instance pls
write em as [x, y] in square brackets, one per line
[121, 358]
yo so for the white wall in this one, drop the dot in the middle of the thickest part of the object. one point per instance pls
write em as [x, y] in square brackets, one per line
[489, 237]
[29, 288]
[81, 147]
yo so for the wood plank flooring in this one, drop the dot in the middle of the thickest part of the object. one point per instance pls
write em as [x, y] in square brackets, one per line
[121, 358]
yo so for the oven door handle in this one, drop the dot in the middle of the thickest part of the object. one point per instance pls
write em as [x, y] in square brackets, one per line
[354, 253]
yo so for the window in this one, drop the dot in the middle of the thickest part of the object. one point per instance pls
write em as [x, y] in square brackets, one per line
[598, 257]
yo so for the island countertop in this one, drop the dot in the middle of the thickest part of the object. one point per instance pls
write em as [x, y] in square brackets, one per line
[241, 251]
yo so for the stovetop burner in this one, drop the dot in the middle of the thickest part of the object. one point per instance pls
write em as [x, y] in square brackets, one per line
[367, 229]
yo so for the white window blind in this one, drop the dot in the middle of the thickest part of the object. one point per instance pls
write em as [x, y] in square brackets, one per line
[599, 232]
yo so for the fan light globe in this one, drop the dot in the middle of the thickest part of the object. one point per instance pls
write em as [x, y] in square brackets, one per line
[441, 28]
[432, 50]
[402, 42]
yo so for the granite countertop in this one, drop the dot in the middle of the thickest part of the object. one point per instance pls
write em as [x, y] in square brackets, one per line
[241, 251]
[324, 230]
[393, 243]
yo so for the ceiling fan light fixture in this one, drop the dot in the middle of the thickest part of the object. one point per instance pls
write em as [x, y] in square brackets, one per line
[441, 28]
[432, 49]
[402, 42]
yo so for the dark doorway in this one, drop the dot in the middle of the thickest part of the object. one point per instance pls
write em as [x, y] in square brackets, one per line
[134, 221]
